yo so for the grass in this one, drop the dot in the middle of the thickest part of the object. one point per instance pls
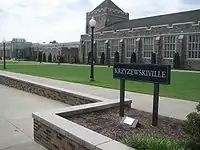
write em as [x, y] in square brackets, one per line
[184, 85]
[150, 143]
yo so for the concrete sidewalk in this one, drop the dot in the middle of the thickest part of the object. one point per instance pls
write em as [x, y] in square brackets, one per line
[169, 107]
[16, 124]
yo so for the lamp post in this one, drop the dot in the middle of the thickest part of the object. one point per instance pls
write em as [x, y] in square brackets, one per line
[92, 23]
[4, 53]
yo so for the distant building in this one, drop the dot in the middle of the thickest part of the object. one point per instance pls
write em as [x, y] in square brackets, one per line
[69, 51]
[16, 49]
[163, 34]
[20, 49]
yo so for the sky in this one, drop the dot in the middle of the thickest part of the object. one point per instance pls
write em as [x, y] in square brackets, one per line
[64, 20]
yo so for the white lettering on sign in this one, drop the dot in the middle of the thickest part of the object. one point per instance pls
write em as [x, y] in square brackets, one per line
[145, 73]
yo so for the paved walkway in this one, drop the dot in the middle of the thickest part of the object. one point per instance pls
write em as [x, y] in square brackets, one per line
[16, 127]
[170, 107]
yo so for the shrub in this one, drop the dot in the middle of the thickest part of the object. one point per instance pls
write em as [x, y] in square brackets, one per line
[133, 57]
[116, 57]
[153, 58]
[176, 62]
[44, 57]
[141, 142]
[192, 128]
[102, 61]
[50, 58]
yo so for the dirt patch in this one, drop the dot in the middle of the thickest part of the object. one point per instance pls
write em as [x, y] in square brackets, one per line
[107, 122]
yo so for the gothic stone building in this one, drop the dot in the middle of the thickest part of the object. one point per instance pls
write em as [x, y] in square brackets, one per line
[164, 35]
[69, 51]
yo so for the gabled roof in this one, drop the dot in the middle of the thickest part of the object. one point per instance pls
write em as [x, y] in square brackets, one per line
[181, 17]
[108, 4]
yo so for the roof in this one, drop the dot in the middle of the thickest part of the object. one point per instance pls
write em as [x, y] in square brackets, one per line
[108, 4]
[186, 16]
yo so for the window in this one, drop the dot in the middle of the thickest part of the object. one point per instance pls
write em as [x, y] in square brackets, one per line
[100, 47]
[169, 46]
[88, 47]
[129, 46]
[194, 46]
[114, 47]
[148, 46]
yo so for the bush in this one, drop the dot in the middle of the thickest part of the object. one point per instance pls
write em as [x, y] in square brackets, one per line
[192, 128]
[151, 143]
[102, 61]
[44, 57]
[50, 58]
[116, 57]
[176, 63]
[133, 58]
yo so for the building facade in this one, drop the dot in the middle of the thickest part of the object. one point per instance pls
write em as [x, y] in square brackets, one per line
[164, 35]
[20, 49]
[16, 49]
[69, 51]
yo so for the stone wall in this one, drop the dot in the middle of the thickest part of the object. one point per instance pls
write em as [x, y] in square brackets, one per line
[53, 140]
[54, 132]
[58, 95]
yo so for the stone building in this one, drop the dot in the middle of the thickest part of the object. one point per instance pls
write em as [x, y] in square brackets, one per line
[69, 51]
[16, 49]
[8, 50]
[164, 34]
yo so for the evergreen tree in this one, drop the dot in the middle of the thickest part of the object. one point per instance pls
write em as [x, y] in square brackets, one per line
[39, 57]
[116, 57]
[89, 57]
[102, 61]
[153, 58]
[44, 57]
[133, 58]
[176, 63]
[50, 58]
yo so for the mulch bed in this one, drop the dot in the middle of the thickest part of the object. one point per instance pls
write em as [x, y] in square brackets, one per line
[107, 122]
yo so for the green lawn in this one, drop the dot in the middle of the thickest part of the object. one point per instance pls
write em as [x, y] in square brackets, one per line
[183, 85]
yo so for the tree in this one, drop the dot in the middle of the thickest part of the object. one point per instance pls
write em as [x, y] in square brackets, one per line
[39, 57]
[133, 57]
[54, 59]
[50, 58]
[53, 42]
[176, 63]
[116, 59]
[102, 61]
[44, 57]
[89, 57]
[153, 58]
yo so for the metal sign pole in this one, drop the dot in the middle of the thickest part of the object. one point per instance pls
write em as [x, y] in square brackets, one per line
[122, 93]
[155, 104]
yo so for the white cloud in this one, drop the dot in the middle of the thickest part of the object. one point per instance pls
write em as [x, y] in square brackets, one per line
[64, 20]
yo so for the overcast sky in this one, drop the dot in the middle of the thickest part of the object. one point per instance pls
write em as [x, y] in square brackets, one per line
[64, 20]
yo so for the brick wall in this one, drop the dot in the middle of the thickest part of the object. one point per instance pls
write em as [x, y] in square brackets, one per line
[53, 140]
[65, 97]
